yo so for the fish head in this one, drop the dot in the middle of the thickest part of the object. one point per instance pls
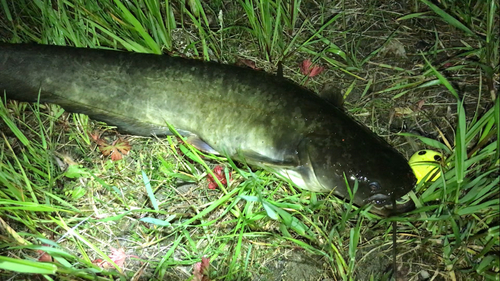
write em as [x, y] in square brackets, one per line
[382, 174]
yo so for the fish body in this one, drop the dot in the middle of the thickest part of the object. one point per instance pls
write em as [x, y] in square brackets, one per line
[251, 116]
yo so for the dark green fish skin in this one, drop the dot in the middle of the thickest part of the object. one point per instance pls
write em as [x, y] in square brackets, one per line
[250, 116]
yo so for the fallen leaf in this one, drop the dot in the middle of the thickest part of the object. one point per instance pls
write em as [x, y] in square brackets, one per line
[44, 257]
[248, 63]
[96, 137]
[447, 65]
[420, 104]
[310, 69]
[393, 48]
[201, 270]
[117, 149]
[118, 256]
[402, 111]
[219, 173]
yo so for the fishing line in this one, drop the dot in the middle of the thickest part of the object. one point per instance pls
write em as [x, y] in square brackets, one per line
[394, 233]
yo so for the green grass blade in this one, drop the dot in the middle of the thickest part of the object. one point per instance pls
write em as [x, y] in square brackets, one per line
[460, 145]
[448, 18]
[26, 266]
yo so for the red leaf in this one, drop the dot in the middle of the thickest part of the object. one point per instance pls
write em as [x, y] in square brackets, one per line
[118, 256]
[122, 145]
[44, 257]
[212, 185]
[310, 69]
[115, 155]
[201, 270]
[447, 65]
[117, 149]
[219, 173]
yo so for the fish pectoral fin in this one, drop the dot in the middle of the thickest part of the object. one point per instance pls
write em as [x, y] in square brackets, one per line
[288, 168]
[333, 95]
[195, 141]
[303, 174]
[255, 158]
[303, 177]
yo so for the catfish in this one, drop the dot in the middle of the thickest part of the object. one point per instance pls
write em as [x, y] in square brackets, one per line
[250, 116]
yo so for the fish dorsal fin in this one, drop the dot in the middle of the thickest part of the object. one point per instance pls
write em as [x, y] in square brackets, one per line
[333, 95]
[279, 72]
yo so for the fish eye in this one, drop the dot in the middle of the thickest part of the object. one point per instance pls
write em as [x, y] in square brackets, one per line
[374, 186]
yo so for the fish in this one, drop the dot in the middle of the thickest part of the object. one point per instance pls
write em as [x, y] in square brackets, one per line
[250, 116]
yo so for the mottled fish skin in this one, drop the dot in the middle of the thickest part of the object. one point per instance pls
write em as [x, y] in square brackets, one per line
[250, 116]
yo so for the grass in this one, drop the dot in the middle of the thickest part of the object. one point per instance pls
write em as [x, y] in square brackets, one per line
[60, 196]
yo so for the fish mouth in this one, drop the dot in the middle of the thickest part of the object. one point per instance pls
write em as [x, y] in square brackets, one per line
[383, 204]
[379, 199]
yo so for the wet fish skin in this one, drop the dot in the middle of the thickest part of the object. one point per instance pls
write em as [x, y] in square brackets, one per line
[250, 116]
